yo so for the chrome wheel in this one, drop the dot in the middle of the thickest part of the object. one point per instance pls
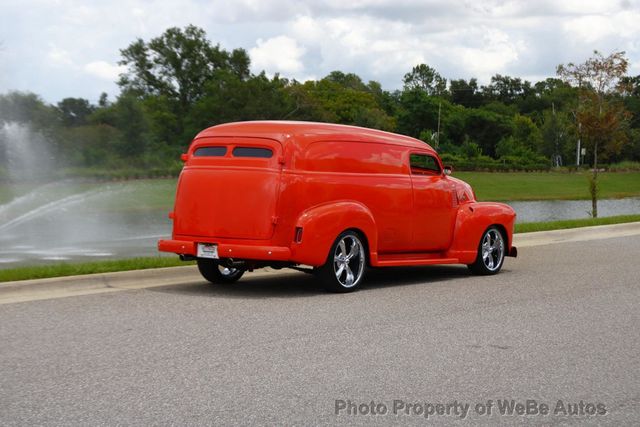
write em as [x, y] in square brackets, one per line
[492, 249]
[344, 269]
[349, 261]
[491, 252]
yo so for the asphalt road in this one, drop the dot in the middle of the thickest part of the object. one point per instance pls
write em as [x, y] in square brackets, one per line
[560, 323]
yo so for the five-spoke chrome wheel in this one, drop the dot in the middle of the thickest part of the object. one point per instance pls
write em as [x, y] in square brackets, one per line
[492, 249]
[490, 252]
[346, 263]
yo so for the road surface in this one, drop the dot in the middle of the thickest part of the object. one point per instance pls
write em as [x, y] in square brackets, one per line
[559, 326]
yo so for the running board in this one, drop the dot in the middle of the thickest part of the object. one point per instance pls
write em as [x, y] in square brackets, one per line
[412, 260]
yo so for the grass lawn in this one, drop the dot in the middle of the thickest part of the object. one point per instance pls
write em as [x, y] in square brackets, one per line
[70, 269]
[489, 186]
[67, 269]
[512, 186]
[527, 227]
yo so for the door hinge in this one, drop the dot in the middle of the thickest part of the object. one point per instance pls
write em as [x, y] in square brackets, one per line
[274, 220]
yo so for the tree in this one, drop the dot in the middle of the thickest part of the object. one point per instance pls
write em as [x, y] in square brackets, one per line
[600, 114]
[631, 96]
[104, 100]
[419, 112]
[426, 79]
[465, 93]
[177, 66]
[26, 107]
[507, 89]
[339, 98]
[556, 132]
[487, 128]
[75, 111]
[228, 98]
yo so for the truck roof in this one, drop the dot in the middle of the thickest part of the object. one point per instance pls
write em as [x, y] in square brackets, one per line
[304, 133]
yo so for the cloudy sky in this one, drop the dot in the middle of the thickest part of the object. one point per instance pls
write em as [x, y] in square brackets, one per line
[63, 48]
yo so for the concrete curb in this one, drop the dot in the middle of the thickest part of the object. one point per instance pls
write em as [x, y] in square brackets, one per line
[32, 289]
[27, 290]
[581, 234]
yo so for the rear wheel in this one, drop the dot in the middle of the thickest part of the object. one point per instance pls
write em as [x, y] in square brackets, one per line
[218, 274]
[347, 260]
[491, 253]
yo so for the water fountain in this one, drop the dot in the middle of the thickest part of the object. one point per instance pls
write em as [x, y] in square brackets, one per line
[44, 220]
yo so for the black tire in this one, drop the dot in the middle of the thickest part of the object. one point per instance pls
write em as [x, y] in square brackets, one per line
[218, 274]
[491, 253]
[346, 264]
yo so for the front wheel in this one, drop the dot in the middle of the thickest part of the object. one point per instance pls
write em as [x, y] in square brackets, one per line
[345, 265]
[218, 274]
[491, 253]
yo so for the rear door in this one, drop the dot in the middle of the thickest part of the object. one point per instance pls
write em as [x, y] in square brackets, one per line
[229, 188]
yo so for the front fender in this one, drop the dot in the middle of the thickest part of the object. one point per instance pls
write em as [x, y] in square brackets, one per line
[472, 220]
[323, 223]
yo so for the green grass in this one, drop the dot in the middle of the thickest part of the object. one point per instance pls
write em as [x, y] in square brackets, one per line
[496, 186]
[66, 269]
[146, 194]
[69, 269]
[574, 223]
[512, 186]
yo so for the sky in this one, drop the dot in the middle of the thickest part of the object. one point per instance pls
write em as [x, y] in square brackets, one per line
[71, 48]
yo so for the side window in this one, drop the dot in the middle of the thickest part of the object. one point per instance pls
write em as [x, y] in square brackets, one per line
[424, 164]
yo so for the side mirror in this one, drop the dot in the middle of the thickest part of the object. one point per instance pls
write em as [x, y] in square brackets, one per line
[184, 157]
[448, 170]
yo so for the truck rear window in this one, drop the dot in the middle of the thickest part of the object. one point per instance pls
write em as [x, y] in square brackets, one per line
[252, 152]
[210, 152]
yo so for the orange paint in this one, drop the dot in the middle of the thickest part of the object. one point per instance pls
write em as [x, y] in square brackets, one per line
[280, 193]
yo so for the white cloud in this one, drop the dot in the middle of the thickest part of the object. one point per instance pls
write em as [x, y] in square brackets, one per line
[51, 47]
[59, 57]
[279, 54]
[104, 70]
[594, 28]
[487, 52]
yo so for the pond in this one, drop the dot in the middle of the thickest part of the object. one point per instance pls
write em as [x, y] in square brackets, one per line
[553, 210]
[69, 221]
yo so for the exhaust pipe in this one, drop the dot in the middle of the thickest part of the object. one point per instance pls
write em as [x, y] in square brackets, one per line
[231, 263]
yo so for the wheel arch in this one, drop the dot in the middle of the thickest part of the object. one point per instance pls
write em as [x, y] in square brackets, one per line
[322, 224]
[473, 220]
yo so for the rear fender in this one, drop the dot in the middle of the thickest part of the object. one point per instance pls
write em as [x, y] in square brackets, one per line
[323, 223]
[472, 220]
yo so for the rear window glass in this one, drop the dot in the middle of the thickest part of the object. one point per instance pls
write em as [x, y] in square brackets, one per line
[252, 152]
[210, 152]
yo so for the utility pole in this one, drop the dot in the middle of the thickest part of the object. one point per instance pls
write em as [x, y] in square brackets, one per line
[578, 147]
[557, 157]
[579, 124]
[438, 137]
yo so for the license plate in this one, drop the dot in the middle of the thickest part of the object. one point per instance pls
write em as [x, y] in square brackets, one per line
[207, 250]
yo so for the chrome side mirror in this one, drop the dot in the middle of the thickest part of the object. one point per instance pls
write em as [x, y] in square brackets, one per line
[448, 170]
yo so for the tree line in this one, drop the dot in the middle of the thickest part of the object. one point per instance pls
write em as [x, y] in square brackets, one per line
[180, 83]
